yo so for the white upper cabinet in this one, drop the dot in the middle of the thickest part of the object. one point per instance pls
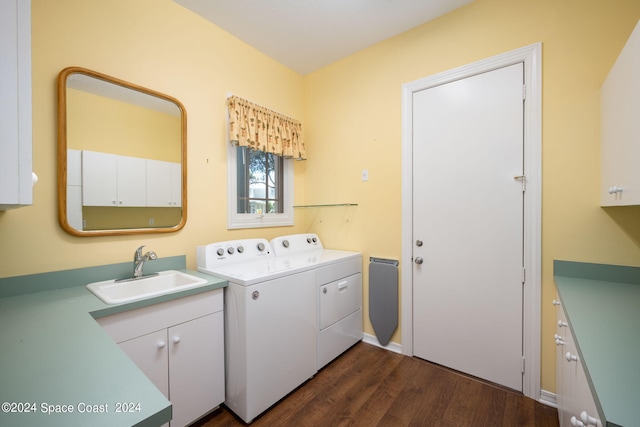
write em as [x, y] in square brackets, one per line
[124, 181]
[164, 184]
[16, 180]
[113, 180]
[620, 128]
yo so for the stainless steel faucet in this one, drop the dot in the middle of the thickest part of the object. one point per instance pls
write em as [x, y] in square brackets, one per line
[139, 260]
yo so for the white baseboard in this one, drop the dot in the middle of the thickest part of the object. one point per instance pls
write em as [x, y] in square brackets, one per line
[392, 346]
[548, 398]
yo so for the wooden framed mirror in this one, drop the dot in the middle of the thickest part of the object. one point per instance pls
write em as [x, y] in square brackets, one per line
[122, 164]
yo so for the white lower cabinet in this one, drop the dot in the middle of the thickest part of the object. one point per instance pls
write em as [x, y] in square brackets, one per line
[576, 405]
[179, 345]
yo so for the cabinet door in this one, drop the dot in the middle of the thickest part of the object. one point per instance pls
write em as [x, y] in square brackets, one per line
[158, 183]
[196, 367]
[176, 184]
[99, 179]
[149, 352]
[15, 104]
[112, 180]
[132, 181]
[164, 184]
[563, 374]
[573, 392]
[620, 132]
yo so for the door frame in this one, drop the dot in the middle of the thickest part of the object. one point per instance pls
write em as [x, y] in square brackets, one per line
[531, 56]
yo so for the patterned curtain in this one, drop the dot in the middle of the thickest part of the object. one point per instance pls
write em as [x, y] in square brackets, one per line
[251, 125]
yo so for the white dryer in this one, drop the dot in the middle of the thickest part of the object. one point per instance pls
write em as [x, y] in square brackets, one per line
[338, 291]
[270, 322]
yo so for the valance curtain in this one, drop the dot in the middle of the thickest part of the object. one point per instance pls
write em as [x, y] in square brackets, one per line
[257, 127]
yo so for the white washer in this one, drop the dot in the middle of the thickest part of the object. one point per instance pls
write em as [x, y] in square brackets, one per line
[339, 291]
[270, 322]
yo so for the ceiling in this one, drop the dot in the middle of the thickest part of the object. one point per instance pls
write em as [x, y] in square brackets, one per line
[306, 35]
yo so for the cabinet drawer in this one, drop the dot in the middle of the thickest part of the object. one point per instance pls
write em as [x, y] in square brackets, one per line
[134, 323]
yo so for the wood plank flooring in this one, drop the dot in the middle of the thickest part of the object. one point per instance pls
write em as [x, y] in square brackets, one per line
[370, 386]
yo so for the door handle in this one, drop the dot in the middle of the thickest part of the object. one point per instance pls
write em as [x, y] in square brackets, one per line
[419, 260]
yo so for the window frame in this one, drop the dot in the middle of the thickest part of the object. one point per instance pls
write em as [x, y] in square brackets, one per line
[237, 220]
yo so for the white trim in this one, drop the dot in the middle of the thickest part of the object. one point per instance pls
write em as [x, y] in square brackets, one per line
[237, 220]
[392, 346]
[531, 56]
[548, 398]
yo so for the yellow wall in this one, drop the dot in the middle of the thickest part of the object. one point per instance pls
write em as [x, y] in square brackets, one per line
[160, 45]
[165, 47]
[360, 97]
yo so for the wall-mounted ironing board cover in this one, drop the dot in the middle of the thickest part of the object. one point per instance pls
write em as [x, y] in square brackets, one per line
[383, 297]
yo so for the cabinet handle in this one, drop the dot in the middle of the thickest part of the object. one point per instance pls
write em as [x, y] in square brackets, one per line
[176, 339]
[556, 302]
[614, 190]
[575, 422]
[559, 339]
[342, 285]
[562, 324]
[587, 419]
[161, 344]
[571, 357]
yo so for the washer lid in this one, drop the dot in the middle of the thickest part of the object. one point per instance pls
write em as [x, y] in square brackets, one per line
[252, 272]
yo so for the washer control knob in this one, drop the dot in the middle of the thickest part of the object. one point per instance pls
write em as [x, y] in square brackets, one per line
[240, 249]
[285, 243]
[309, 240]
[230, 250]
[220, 251]
[260, 246]
[315, 239]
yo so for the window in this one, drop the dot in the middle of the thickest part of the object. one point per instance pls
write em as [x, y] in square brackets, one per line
[259, 181]
[260, 189]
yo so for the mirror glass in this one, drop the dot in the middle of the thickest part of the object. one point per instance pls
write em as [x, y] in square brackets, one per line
[121, 156]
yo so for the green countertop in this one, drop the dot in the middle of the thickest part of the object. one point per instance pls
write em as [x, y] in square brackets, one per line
[55, 357]
[602, 304]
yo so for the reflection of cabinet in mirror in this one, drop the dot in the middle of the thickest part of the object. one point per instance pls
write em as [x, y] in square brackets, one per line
[163, 183]
[100, 186]
[113, 180]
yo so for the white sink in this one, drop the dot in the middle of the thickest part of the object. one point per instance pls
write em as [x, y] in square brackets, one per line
[165, 282]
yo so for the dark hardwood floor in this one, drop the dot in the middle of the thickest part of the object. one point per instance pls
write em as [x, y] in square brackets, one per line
[370, 386]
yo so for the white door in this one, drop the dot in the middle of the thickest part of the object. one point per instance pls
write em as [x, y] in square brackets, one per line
[468, 225]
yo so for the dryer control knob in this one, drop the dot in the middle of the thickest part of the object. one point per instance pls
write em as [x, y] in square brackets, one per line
[230, 250]
[260, 246]
[240, 249]
[309, 240]
[285, 243]
[220, 251]
[315, 239]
